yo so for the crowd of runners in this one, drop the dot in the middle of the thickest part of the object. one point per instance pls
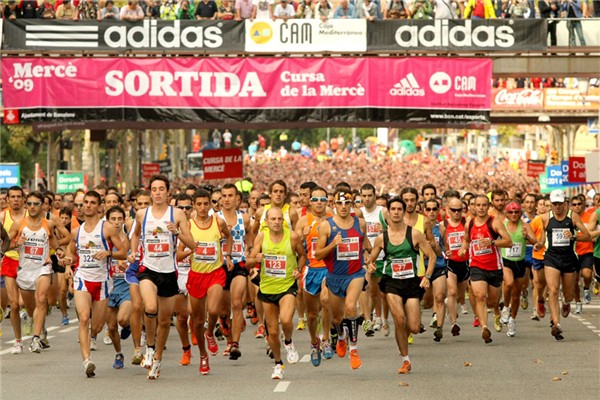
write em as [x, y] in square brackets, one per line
[341, 259]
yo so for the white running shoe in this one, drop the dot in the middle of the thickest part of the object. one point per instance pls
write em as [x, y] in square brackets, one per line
[107, 340]
[512, 328]
[578, 308]
[377, 325]
[505, 315]
[17, 348]
[148, 357]
[154, 372]
[35, 346]
[277, 371]
[89, 367]
[292, 354]
[93, 346]
[463, 309]
[386, 328]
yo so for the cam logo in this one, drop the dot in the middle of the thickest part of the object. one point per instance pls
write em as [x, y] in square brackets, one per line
[261, 32]
[440, 82]
[407, 86]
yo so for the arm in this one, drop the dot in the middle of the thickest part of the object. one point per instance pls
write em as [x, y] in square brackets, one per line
[323, 249]
[505, 240]
[255, 257]
[5, 240]
[184, 230]
[299, 250]
[228, 242]
[377, 248]
[63, 233]
[293, 218]
[257, 215]
[464, 249]
[135, 236]
[530, 236]
[583, 235]
[592, 225]
[421, 241]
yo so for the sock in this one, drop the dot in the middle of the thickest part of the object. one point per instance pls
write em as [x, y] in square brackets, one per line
[586, 288]
[119, 354]
[279, 362]
[353, 330]
[36, 336]
[341, 331]
[93, 337]
[186, 348]
[405, 358]
[235, 344]
[287, 342]
[153, 347]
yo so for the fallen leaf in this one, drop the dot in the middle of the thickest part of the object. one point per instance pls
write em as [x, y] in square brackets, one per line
[538, 361]
[565, 373]
[468, 364]
[556, 379]
[403, 384]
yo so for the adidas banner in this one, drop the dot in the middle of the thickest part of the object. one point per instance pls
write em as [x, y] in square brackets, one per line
[117, 36]
[258, 90]
[457, 35]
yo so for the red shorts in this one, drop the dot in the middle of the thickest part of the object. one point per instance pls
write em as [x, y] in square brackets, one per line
[98, 290]
[198, 283]
[9, 267]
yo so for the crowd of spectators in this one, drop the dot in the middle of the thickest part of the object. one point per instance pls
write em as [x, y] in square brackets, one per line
[134, 10]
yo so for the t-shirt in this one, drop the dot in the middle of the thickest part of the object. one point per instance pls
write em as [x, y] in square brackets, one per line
[262, 8]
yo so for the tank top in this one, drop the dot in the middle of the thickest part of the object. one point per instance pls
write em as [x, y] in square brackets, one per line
[483, 257]
[347, 257]
[400, 261]
[440, 261]
[8, 223]
[374, 223]
[287, 222]
[538, 228]
[158, 243]
[278, 264]
[140, 251]
[582, 248]
[420, 226]
[183, 266]
[34, 253]
[238, 232]
[558, 243]
[454, 237]
[311, 242]
[517, 251]
[88, 244]
[597, 242]
[208, 256]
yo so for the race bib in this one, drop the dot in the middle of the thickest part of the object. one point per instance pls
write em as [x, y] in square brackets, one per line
[516, 251]
[481, 250]
[185, 263]
[348, 250]
[402, 268]
[559, 238]
[32, 251]
[115, 271]
[373, 229]
[86, 258]
[157, 248]
[275, 266]
[237, 250]
[206, 252]
[313, 246]
[455, 240]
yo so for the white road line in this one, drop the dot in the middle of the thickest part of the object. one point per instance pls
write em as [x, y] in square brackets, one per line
[24, 338]
[586, 323]
[52, 328]
[3, 352]
[69, 329]
[592, 327]
[282, 386]
[596, 331]
[306, 358]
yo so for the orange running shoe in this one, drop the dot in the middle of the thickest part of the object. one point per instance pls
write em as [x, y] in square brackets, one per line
[405, 368]
[355, 362]
[186, 357]
[340, 348]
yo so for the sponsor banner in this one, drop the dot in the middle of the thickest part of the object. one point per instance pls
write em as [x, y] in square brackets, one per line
[150, 169]
[10, 175]
[164, 165]
[592, 166]
[457, 35]
[535, 168]
[572, 99]
[69, 181]
[517, 99]
[555, 176]
[206, 36]
[577, 170]
[222, 164]
[306, 36]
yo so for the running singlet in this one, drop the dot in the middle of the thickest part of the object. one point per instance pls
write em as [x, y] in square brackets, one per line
[483, 257]
[454, 237]
[597, 243]
[88, 244]
[158, 242]
[287, 222]
[558, 243]
[420, 226]
[311, 242]
[440, 261]
[208, 256]
[374, 226]
[538, 228]
[347, 257]
[7, 224]
[582, 248]
[400, 261]
[517, 251]
[238, 232]
[35, 252]
[278, 264]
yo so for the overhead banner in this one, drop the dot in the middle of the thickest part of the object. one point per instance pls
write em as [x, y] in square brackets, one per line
[577, 169]
[535, 168]
[250, 90]
[517, 99]
[209, 36]
[572, 99]
[457, 35]
[10, 175]
[222, 164]
[69, 181]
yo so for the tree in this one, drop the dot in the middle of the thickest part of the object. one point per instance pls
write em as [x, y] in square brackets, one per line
[17, 148]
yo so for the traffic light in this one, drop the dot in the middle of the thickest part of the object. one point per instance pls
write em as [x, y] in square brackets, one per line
[554, 157]
[163, 154]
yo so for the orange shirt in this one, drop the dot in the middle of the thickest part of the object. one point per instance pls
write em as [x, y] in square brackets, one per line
[585, 247]
[538, 228]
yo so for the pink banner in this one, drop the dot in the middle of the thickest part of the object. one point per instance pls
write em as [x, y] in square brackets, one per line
[247, 83]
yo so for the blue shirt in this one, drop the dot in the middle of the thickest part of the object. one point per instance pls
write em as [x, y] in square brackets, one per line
[349, 12]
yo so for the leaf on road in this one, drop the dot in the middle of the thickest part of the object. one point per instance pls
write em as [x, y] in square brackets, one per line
[538, 361]
[403, 384]
[468, 364]
[565, 373]
[556, 379]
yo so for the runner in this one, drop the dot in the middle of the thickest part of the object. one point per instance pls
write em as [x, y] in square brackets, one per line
[585, 255]
[539, 276]
[594, 229]
[529, 205]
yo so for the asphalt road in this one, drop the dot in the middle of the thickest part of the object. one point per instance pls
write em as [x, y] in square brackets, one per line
[532, 365]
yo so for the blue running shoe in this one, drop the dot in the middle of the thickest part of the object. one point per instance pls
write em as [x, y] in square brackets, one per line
[315, 354]
[327, 350]
[118, 361]
[65, 320]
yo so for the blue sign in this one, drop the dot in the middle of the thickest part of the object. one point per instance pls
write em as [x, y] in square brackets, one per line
[555, 175]
[10, 175]
[565, 175]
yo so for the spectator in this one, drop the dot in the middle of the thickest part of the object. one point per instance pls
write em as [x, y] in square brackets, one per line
[132, 11]
[344, 10]
[262, 9]
[153, 10]
[519, 9]
[323, 10]
[284, 11]
[46, 10]
[396, 9]
[367, 9]
[549, 9]
[217, 137]
[29, 8]
[239, 143]
[88, 10]
[66, 10]
[168, 11]
[306, 10]
[207, 9]
[186, 10]
[480, 9]
[447, 9]
[572, 9]
[244, 9]
[12, 11]
[227, 138]
[226, 10]
[110, 11]
[421, 9]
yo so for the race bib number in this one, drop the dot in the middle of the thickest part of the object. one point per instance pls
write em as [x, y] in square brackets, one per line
[403, 268]
[185, 263]
[157, 248]
[206, 252]
[516, 251]
[480, 249]
[348, 250]
[33, 252]
[373, 229]
[559, 238]
[455, 240]
[86, 258]
[313, 246]
[275, 266]
[237, 250]
[115, 271]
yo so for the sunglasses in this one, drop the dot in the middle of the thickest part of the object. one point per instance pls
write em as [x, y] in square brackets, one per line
[576, 204]
[316, 199]
[514, 212]
[431, 209]
[343, 203]
[78, 204]
[34, 203]
[358, 201]
[187, 208]
[456, 210]
[215, 201]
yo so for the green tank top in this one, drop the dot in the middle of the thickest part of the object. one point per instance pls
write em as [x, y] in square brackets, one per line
[597, 242]
[400, 261]
[278, 264]
[517, 251]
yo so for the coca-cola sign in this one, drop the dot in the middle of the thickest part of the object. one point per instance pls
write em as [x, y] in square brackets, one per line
[517, 99]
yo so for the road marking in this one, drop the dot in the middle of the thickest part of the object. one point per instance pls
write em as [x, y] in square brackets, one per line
[306, 358]
[586, 323]
[24, 338]
[592, 327]
[52, 328]
[69, 329]
[282, 386]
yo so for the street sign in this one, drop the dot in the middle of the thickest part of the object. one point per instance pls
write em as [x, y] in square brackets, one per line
[577, 169]
[535, 168]
[222, 164]
[10, 175]
[69, 181]
[165, 165]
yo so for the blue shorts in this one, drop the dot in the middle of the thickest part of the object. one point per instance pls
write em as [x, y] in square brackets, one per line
[537, 264]
[119, 294]
[313, 279]
[338, 284]
[131, 273]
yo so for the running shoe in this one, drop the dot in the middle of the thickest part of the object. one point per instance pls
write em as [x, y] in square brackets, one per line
[556, 331]
[541, 308]
[340, 348]
[524, 302]
[28, 328]
[17, 348]
[486, 335]
[125, 333]
[270, 352]
[476, 322]
[504, 315]
[512, 328]
[438, 334]
[411, 338]
[405, 368]
[315, 354]
[386, 329]
[235, 352]
[277, 371]
[248, 310]
[194, 338]
[35, 346]
[225, 328]
[218, 332]
[327, 349]
[227, 350]
[377, 324]
[1, 314]
[212, 345]
[154, 372]
[596, 288]
[455, 330]
[578, 308]
[368, 328]
[260, 332]
[186, 357]
[137, 357]
[44, 343]
[422, 329]
[204, 367]
[463, 309]
[587, 296]
[107, 340]
[566, 309]
[292, 354]
[65, 320]
[148, 357]
[433, 322]
[333, 335]
[89, 367]
[93, 345]
[497, 323]
[301, 324]
[535, 316]
[355, 362]
[253, 315]
[119, 364]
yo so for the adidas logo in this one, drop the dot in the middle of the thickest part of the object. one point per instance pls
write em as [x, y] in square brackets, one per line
[407, 86]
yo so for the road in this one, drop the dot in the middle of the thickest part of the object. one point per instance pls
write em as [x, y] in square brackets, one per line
[533, 364]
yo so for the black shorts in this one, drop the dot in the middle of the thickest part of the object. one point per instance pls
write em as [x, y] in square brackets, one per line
[275, 298]
[437, 273]
[405, 288]
[565, 263]
[493, 278]
[517, 267]
[460, 269]
[597, 268]
[239, 269]
[585, 261]
[55, 267]
[166, 283]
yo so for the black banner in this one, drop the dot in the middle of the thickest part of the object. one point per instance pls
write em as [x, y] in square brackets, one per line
[205, 36]
[457, 35]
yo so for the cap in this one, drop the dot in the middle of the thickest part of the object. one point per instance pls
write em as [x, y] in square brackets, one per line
[557, 196]
[343, 196]
[513, 206]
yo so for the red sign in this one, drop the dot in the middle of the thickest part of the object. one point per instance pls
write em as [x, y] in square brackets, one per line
[11, 117]
[577, 169]
[517, 99]
[535, 169]
[222, 164]
[149, 169]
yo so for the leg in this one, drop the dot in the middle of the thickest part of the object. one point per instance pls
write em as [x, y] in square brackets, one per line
[237, 292]
[213, 302]
[397, 310]
[41, 301]
[452, 287]
[286, 314]
[113, 328]
[83, 304]
[149, 294]
[553, 280]
[439, 295]
[181, 324]
[62, 293]
[480, 289]
[12, 291]
[199, 317]
[313, 304]
[135, 322]
[272, 321]
[165, 311]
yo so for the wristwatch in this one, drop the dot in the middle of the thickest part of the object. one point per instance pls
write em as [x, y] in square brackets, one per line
[493, 242]
[428, 277]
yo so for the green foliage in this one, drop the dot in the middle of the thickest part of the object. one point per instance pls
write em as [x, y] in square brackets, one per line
[18, 149]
